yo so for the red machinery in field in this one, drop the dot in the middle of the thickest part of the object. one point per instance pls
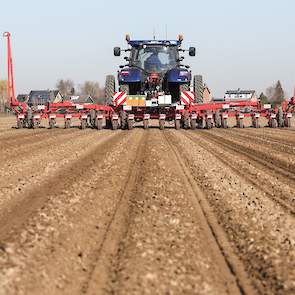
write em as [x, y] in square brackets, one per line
[185, 112]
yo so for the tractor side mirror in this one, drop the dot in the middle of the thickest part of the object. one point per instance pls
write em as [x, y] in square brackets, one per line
[181, 58]
[126, 58]
[117, 51]
[192, 51]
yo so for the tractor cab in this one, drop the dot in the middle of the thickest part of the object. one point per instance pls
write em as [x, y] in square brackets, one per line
[154, 68]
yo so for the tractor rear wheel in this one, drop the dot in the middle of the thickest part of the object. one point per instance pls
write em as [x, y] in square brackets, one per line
[198, 87]
[110, 88]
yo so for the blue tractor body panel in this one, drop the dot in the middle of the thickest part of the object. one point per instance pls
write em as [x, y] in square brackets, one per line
[130, 75]
[178, 76]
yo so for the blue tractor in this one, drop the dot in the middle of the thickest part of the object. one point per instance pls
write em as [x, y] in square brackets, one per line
[154, 67]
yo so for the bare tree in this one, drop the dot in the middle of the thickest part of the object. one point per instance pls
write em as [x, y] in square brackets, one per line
[92, 88]
[66, 87]
[263, 98]
[275, 93]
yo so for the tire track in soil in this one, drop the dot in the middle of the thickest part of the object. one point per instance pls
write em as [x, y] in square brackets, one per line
[84, 187]
[30, 136]
[258, 229]
[37, 196]
[106, 273]
[116, 229]
[271, 192]
[280, 145]
[262, 160]
[277, 135]
[19, 146]
[227, 257]
[26, 168]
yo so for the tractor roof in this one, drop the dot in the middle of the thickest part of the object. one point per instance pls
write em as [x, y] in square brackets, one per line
[135, 43]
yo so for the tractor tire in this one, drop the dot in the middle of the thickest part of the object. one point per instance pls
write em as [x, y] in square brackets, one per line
[198, 88]
[177, 124]
[115, 124]
[193, 124]
[124, 88]
[110, 88]
[145, 124]
[162, 124]
[280, 116]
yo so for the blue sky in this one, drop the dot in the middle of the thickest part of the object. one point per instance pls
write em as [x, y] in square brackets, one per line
[246, 44]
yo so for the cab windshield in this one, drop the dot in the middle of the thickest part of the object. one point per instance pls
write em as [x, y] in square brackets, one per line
[155, 58]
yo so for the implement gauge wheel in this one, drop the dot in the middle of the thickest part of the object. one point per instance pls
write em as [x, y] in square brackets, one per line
[115, 124]
[123, 119]
[83, 123]
[98, 124]
[130, 124]
[177, 124]
[193, 124]
[288, 122]
[280, 116]
[145, 124]
[20, 124]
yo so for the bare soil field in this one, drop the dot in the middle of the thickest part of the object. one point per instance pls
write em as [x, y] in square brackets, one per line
[147, 211]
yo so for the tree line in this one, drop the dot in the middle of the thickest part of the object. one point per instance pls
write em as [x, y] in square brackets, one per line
[68, 88]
